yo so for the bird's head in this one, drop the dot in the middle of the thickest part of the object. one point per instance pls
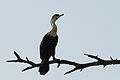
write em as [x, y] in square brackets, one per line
[55, 17]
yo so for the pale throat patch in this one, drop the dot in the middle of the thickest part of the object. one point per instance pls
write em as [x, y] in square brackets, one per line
[53, 31]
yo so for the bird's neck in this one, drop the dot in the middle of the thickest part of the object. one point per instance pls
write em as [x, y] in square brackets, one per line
[53, 31]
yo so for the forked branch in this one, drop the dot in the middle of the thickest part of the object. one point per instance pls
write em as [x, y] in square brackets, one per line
[77, 66]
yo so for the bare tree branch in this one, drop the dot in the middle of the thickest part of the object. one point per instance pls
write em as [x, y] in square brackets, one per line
[77, 66]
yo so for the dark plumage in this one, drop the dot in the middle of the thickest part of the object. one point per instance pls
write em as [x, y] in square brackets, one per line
[44, 68]
[47, 46]
[47, 49]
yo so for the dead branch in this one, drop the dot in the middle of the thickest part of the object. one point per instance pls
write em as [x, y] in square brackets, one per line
[77, 66]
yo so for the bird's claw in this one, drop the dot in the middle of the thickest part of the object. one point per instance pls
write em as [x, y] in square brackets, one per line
[58, 61]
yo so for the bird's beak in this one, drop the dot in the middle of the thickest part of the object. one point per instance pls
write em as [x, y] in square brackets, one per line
[59, 16]
[62, 15]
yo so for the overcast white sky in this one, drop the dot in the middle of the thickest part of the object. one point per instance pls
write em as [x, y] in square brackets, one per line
[91, 26]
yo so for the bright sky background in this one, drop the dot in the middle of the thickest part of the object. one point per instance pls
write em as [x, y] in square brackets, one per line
[91, 26]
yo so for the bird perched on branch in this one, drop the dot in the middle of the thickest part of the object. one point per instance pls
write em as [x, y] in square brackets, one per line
[48, 44]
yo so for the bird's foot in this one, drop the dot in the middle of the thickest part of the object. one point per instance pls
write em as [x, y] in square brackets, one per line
[58, 61]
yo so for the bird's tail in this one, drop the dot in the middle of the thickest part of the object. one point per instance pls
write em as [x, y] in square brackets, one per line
[44, 67]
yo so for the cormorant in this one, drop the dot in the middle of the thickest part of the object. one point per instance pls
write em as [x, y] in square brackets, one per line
[48, 44]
